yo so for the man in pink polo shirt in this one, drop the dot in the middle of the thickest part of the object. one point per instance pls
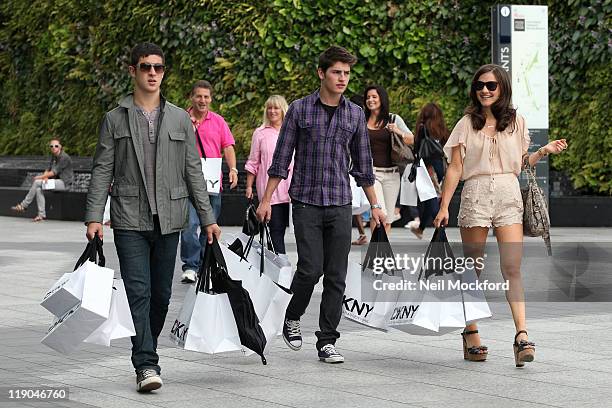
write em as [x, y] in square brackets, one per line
[217, 141]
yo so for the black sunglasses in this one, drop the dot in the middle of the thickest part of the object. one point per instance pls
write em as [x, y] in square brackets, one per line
[52, 146]
[146, 67]
[491, 85]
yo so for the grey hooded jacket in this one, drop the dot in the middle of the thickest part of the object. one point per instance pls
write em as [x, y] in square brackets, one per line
[119, 162]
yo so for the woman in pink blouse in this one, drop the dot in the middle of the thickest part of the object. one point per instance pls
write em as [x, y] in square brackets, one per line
[487, 149]
[260, 158]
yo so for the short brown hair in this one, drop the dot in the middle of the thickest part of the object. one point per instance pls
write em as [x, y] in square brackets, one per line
[144, 50]
[335, 54]
[201, 84]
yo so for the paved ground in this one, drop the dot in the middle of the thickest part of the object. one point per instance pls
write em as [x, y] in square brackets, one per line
[573, 367]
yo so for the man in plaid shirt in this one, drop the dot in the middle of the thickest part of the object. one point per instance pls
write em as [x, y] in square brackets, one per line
[328, 134]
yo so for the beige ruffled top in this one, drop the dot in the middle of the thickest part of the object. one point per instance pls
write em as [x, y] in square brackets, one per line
[489, 155]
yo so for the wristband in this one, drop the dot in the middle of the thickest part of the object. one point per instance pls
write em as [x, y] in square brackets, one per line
[376, 206]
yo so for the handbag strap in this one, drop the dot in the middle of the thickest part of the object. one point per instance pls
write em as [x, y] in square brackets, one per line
[92, 250]
[197, 134]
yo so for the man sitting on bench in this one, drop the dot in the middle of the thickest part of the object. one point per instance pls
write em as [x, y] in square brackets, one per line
[58, 177]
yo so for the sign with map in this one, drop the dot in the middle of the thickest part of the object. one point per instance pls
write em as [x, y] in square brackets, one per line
[519, 43]
[530, 64]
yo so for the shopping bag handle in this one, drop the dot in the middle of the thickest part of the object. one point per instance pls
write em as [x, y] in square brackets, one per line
[269, 242]
[439, 237]
[212, 253]
[379, 237]
[93, 249]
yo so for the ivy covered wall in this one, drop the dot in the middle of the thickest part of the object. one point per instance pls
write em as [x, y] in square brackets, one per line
[63, 63]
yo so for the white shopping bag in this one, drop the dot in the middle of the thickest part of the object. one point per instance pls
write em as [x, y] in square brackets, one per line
[212, 328]
[269, 299]
[206, 324]
[441, 309]
[277, 267]
[474, 301]
[48, 184]
[360, 203]
[211, 168]
[422, 188]
[178, 332]
[67, 292]
[424, 185]
[363, 303]
[78, 323]
[272, 320]
[119, 323]
[408, 191]
[434, 306]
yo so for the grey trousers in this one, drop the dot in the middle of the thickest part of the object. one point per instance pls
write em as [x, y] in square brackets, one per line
[323, 239]
[37, 191]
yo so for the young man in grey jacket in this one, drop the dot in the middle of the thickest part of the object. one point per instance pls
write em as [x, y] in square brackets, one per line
[146, 155]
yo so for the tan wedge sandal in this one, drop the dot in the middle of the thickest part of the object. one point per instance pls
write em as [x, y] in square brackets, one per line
[524, 351]
[474, 353]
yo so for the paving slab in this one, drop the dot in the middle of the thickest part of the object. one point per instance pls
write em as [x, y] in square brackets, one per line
[573, 366]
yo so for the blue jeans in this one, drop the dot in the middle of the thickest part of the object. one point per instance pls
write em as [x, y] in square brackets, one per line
[146, 259]
[191, 245]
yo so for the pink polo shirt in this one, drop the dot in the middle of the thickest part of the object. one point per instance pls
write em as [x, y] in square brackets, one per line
[214, 134]
[260, 159]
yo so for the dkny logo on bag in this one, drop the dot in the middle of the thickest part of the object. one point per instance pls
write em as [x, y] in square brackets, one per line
[61, 319]
[59, 286]
[179, 330]
[352, 305]
[404, 312]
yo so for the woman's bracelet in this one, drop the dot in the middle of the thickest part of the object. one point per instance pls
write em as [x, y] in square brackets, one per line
[542, 152]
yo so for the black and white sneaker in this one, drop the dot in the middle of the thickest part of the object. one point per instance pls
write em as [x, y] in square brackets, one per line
[292, 334]
[329, 354]
[189, 276]
[147, 380]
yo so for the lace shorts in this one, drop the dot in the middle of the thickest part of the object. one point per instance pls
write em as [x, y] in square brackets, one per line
[491, 201]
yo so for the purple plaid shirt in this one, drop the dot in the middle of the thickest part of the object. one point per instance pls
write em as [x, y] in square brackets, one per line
[324, 155]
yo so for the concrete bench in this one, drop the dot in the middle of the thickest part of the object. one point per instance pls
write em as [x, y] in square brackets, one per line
[60, 205]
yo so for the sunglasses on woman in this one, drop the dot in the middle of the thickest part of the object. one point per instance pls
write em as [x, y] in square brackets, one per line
[491, 85]
[53, 145]
[146, 67]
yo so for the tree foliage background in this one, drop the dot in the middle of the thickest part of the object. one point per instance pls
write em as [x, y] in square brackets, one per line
[63, 63]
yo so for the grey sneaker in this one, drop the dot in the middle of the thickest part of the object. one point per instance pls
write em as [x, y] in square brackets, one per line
[147, 380]
[189, 276]
[292, 334]
[329, 354]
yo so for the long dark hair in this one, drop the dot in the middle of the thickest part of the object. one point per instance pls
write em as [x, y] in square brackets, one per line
[383, 116]
[432, 118]
[502, 109]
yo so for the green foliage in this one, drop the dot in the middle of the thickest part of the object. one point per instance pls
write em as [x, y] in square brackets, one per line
[585, 123]
[63, 63]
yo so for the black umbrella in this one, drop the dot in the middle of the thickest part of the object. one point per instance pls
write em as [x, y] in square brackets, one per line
[247, 322]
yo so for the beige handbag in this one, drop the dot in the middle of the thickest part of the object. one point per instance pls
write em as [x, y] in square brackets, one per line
[536, 221]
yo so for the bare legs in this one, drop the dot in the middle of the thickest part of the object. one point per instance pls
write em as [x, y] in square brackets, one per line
[509, 241]
[474, 240]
